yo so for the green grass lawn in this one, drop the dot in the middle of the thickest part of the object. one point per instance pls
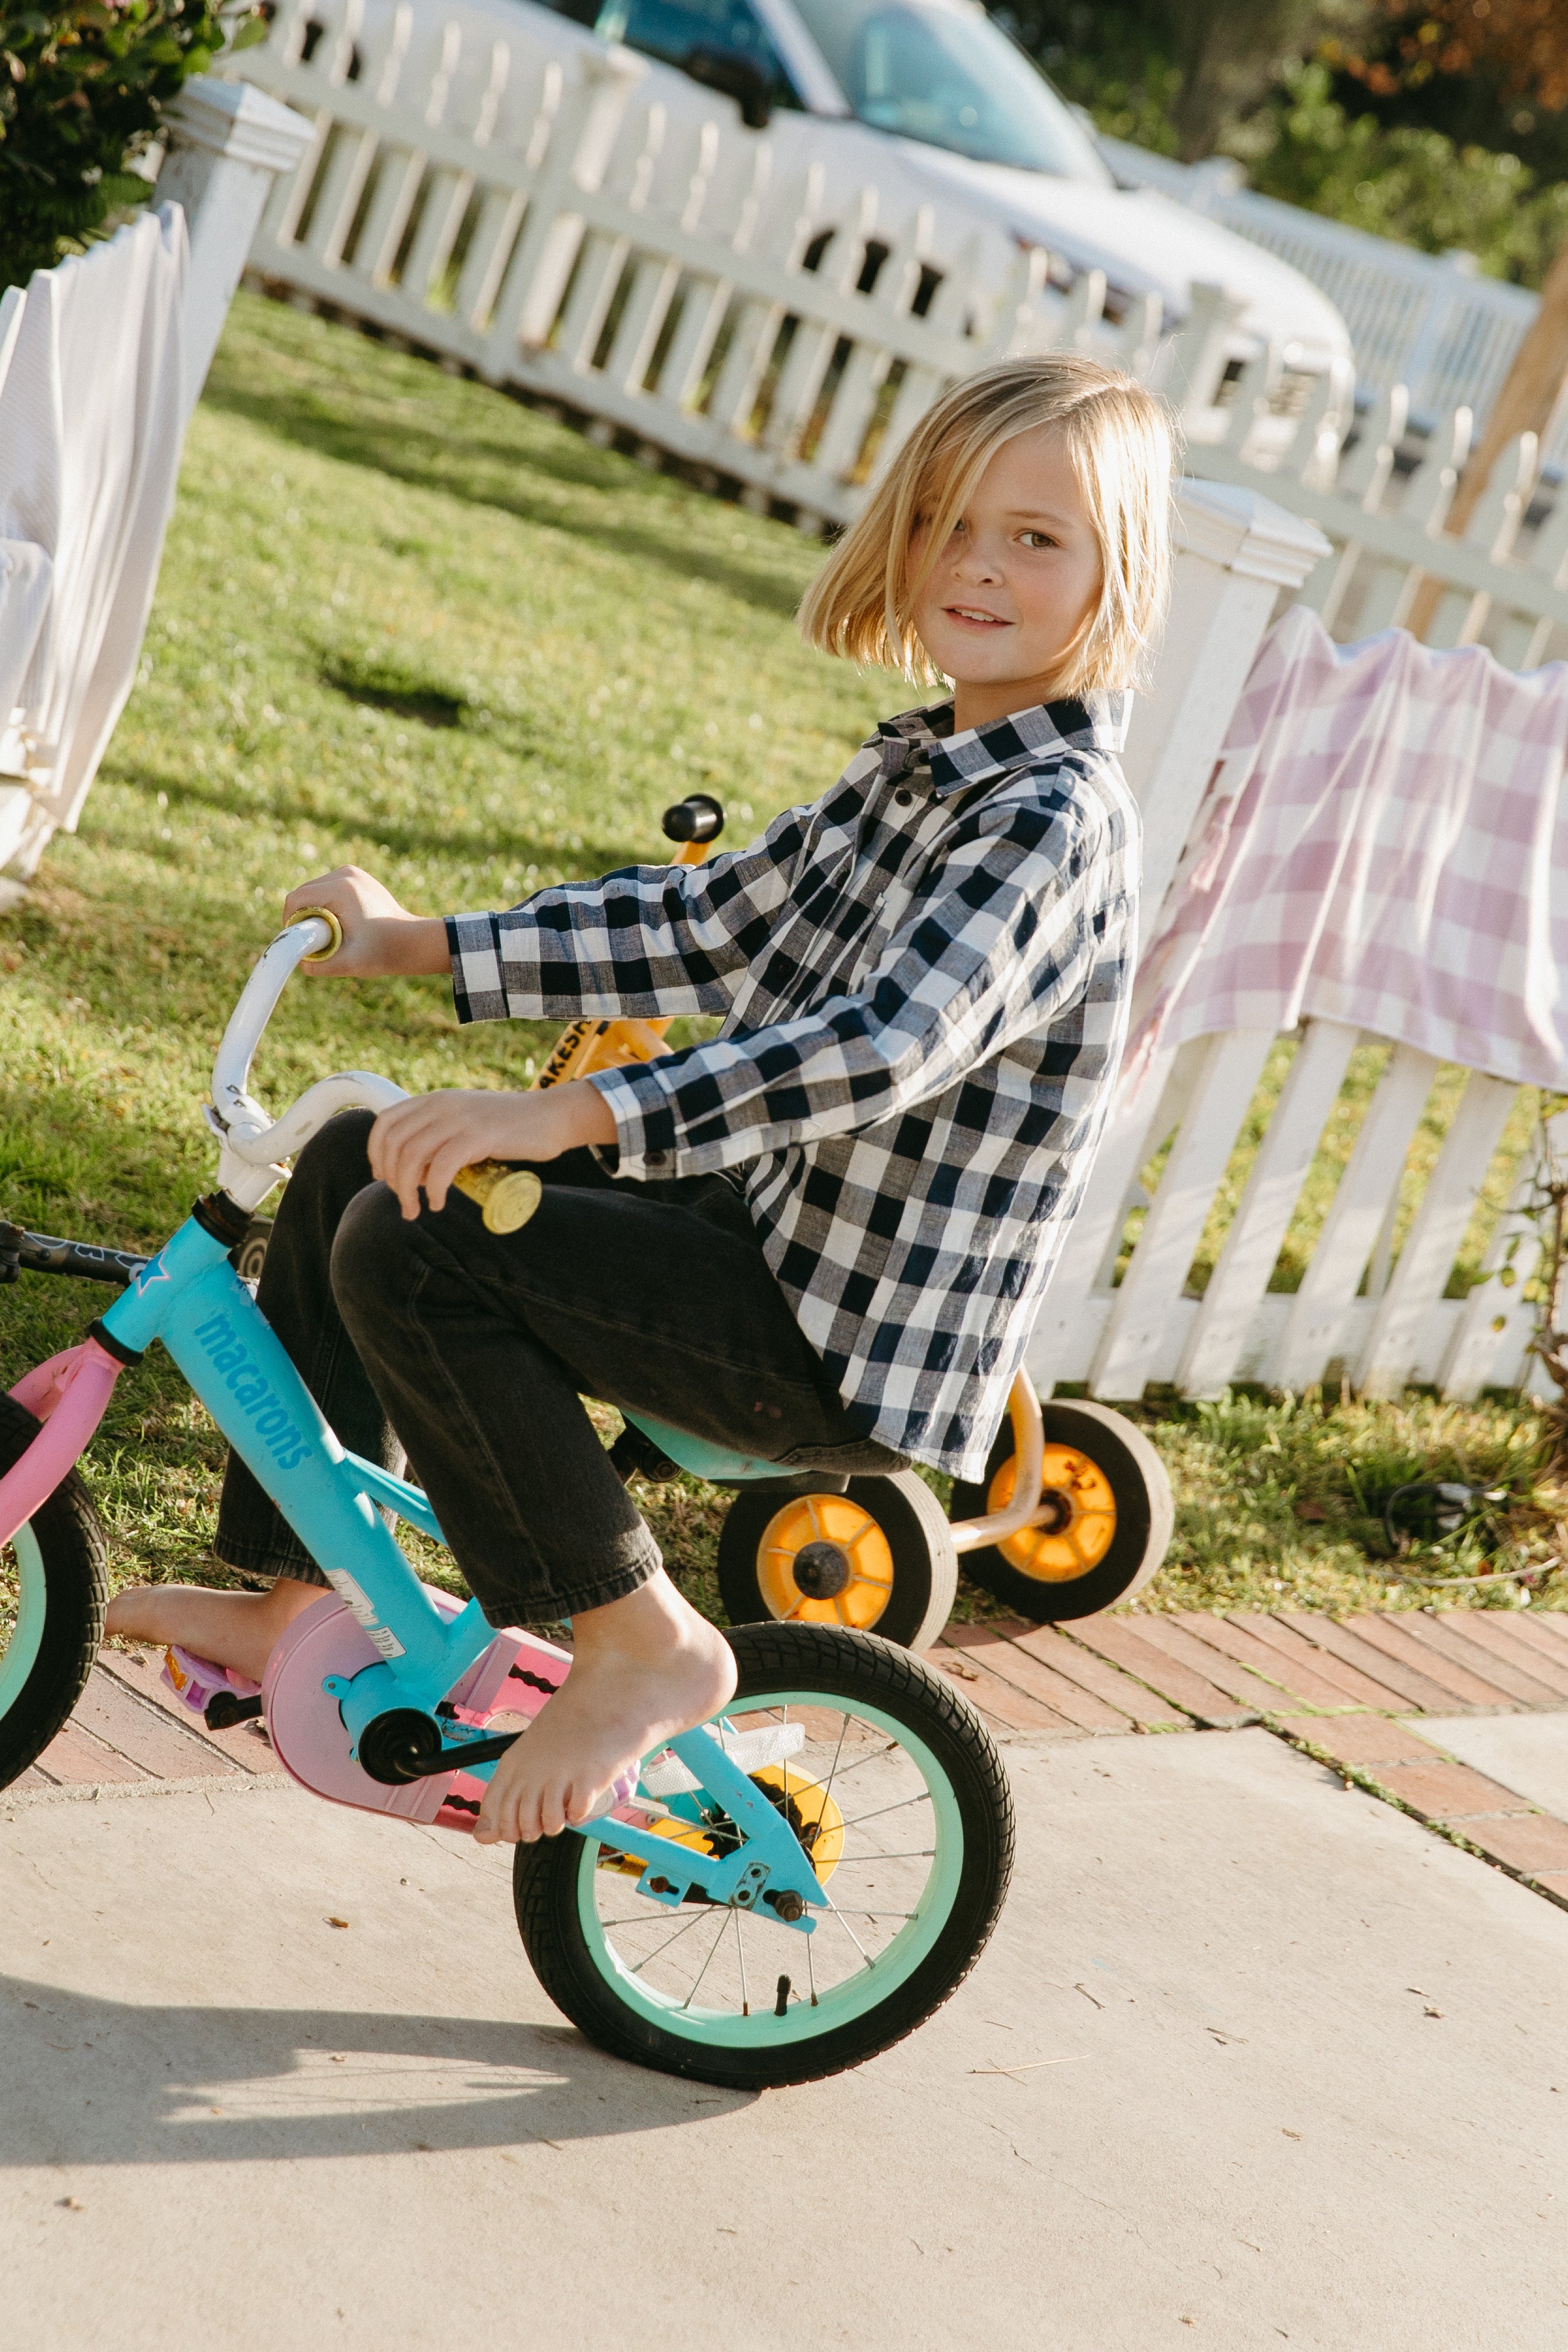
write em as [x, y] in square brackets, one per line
[405, 621]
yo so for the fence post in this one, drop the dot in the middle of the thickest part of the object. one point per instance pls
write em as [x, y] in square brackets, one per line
[227, 142]
[1236, 551]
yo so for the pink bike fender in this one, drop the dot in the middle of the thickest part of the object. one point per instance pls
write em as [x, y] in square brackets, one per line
[72, 1391]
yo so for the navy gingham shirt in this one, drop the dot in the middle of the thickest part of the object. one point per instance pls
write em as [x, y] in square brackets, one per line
[924, 981]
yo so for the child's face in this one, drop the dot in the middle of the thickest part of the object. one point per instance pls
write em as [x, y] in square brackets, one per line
[1016, 582]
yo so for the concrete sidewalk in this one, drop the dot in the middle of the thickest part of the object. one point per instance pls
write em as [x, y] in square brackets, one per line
[1254, 2059]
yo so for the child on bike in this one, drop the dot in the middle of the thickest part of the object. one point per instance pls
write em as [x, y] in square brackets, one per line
[822, 1236]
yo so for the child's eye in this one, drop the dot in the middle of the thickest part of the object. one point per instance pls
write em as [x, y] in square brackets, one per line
[1037, 539]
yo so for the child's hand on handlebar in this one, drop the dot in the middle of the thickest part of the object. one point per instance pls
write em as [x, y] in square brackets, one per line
[419, 1145]
[380, 938]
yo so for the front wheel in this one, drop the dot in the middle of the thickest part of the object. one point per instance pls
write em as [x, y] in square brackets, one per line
[53, 1591]
[896, 1791]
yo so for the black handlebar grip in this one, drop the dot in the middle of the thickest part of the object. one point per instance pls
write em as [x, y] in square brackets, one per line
[699, 817]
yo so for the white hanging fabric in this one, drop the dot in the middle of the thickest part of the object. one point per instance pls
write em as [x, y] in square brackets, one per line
[1386, 847]
[91, 432]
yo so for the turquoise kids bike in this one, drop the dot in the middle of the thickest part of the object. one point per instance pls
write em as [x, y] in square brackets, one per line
[775, 1895]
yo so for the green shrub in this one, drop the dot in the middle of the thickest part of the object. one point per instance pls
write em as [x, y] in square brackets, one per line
[82, 89]
[1401, 182]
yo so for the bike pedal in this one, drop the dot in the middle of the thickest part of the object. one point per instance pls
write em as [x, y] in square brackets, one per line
[226, 1708]
[221, 1697]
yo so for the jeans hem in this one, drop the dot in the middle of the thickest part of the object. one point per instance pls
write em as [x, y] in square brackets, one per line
[258, 1559]
[529, 1608]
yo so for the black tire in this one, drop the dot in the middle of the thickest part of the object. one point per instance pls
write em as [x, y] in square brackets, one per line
[832, 1664]
[1143, 1516]
[69, 1539]
[250, 1257]
[905, 1593]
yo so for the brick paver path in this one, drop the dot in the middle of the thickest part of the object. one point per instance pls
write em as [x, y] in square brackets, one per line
[1333, 1685]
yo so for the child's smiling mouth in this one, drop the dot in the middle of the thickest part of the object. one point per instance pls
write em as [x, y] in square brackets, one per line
[974, 617]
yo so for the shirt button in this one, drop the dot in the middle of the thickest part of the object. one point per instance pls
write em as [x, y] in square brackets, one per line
[903, 797]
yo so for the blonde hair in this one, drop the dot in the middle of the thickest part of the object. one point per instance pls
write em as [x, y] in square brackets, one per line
[1119, 441]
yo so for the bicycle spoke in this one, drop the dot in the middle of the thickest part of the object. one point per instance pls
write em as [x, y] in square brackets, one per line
[719, 1980]
[832, 1769]
[921, 1797]
[892, 1747]
[685, 1930]
[911, 1854]
[855, 1912]
[703, 1969]
[835, 1913]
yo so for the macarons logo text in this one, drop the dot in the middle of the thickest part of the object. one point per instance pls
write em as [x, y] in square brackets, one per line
[267, 1416]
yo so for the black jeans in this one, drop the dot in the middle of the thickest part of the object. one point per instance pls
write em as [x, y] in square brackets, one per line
[474, 1349]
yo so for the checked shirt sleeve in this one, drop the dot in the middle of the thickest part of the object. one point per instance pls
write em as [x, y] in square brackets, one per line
[1001, 940]
[646, 940]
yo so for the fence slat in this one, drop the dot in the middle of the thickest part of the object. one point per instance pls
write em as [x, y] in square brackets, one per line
[1092, 1240]
[484, 264]
[1223, 1087]
[1437, 1230]
[1253, 1245]
[1351, 1228]
[1497, 1321]
[642, 323]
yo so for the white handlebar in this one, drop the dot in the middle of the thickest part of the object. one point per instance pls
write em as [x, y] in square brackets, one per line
[253, 1145]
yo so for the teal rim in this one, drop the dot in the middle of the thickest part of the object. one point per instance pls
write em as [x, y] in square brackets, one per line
[25, 1637]
[771, 1950]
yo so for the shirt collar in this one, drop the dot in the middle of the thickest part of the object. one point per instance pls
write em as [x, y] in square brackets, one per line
[1096, 722]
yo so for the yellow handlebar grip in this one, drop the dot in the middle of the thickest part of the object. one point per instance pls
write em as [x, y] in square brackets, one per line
[327, 916]
[508, 1196]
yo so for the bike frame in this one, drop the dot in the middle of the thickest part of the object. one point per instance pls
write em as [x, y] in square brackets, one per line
[189, 1298]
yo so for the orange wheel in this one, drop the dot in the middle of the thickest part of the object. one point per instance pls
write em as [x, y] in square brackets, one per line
[1104, 1522]
[878, 1558]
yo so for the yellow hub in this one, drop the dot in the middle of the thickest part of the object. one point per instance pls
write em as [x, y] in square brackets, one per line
[1078, 1533]
[816, 1810]
[811, 1809]
[825, 1520]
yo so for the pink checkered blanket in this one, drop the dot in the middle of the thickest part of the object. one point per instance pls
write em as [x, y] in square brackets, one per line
[1387, 845]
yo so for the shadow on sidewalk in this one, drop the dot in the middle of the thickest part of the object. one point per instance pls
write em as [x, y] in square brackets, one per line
[90, 2081]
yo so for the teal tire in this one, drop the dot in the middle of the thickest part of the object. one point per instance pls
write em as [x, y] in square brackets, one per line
[899, 1795]
[53, 1592]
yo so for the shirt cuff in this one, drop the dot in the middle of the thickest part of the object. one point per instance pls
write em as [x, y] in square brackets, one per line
[478, 989]
[644, 1119]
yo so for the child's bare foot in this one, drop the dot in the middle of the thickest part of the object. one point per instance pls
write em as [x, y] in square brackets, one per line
[233, 1629]
[643, 1669]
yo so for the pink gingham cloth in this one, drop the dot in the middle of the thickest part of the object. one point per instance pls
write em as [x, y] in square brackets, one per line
[1385, 845]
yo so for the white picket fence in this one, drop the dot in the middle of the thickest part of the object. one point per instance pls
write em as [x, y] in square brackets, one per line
[547, 223]
[1506, 579]
[1360, 1313]
[1431, 322]
[542, 220]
